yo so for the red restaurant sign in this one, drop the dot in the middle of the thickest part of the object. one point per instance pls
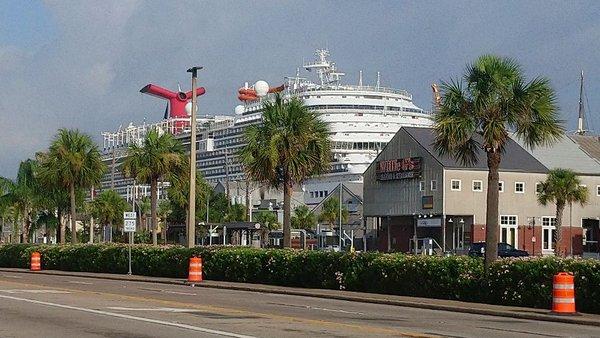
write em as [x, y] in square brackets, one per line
[399, 169]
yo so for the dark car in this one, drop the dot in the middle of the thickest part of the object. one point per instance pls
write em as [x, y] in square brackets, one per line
[504, 250]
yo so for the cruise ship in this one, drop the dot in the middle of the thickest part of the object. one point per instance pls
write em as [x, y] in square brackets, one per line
[361, 119]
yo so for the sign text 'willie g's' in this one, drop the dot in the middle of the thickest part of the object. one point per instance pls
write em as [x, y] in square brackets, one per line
[398, 169]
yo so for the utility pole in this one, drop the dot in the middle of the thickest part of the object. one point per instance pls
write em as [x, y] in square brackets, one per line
[341, 186]
[227, 177]
[191, 227]
[92, 220]
[580, 129]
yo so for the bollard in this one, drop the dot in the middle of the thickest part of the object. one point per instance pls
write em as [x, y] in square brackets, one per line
[563, 294]
[36, 261]
[195, 270]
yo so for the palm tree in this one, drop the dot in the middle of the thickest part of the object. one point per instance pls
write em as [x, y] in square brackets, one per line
[108, 208]
[73, 162]
[22, 195]
[562, 186]
[304, 218]
[236, 213]
[165, 208]
[495, 100]
[268, 222]
[159, 155]
[143, 209]
[179, 190]
[290, 145]
[330, 213]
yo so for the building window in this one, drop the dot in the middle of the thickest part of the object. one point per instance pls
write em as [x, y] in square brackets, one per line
[538, 188]
[509, 229]
[455, 185]
[501, 186]
[477, 185]
[421, 185]
[519, 187]
[434, 186]
[548, 233]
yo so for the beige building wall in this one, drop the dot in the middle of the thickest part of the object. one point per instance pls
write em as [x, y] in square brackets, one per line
[523, 205]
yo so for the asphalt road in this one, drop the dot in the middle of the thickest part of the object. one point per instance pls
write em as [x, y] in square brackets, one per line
[58, 306]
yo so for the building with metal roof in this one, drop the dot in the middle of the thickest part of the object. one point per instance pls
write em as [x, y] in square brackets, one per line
[413, 194]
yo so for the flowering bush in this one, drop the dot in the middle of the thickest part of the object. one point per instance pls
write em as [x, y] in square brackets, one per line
[520, 282]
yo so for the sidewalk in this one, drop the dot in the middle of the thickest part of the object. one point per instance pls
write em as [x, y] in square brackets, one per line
[423, 303]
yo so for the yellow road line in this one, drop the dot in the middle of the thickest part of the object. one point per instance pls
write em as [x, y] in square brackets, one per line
[223, 310]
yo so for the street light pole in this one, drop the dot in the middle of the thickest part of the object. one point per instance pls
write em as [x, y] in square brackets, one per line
[191, 227]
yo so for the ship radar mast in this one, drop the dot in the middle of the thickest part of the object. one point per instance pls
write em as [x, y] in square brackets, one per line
[326, 70]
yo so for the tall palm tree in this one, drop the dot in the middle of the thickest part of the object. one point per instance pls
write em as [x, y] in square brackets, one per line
[562, 186]
[73, 162]
[165, 208]
[158, 156]
[179, 190]
[304, 218]
[22, 195]
[492, 100]
[108, 208]
[290, 145]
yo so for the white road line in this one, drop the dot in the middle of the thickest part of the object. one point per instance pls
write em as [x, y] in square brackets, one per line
[158, 309]
[124, 316]
[12, 276]
[78, 282]
[33, 291]
[180, 293]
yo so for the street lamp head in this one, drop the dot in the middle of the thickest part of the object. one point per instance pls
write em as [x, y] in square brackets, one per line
[194, 70]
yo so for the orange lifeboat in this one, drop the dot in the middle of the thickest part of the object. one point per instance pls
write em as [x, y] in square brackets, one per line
[249, 94]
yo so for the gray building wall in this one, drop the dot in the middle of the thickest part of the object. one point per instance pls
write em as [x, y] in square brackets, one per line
[402, 197]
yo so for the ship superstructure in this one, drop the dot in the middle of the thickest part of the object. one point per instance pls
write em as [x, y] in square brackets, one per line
[361, 119]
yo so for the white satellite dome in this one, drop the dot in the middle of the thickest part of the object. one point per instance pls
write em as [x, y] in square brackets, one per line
[261, 87]
[239, 109]
[188, 108]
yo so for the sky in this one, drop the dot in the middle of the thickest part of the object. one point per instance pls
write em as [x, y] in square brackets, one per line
[81, 64]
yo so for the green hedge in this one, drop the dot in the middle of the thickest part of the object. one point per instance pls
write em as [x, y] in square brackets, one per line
[519, 282]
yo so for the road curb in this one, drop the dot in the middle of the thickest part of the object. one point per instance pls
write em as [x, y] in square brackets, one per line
[579, 320]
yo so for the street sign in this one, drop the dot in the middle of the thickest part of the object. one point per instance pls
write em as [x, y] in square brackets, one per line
[129, 215]
[129, 225]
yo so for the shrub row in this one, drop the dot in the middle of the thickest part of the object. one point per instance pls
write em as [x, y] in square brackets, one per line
[518, 282]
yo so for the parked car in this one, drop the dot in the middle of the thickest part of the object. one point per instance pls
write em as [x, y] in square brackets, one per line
[504, 250]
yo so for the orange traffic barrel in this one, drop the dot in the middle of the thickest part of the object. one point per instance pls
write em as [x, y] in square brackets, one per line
[36, 261]
[563, 294]
[195, 270]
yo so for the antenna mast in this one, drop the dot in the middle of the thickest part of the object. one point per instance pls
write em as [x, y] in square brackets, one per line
[580, 129]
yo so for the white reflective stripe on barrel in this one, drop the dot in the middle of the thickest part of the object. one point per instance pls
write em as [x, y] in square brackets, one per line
[564, 286]
[195, 265]
[560, 300]
[195, 273]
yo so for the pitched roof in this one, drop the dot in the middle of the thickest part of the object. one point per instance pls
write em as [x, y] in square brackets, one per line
[567, 153]
[590, 144]
[515, 158]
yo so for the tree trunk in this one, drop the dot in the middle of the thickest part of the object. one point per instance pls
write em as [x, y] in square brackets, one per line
[153, 193]
[73, 215]
[287, 198]
[491, 217]
[60, 231]
[24, 229]
[91, 230]
[248, 206]
[560, 209]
